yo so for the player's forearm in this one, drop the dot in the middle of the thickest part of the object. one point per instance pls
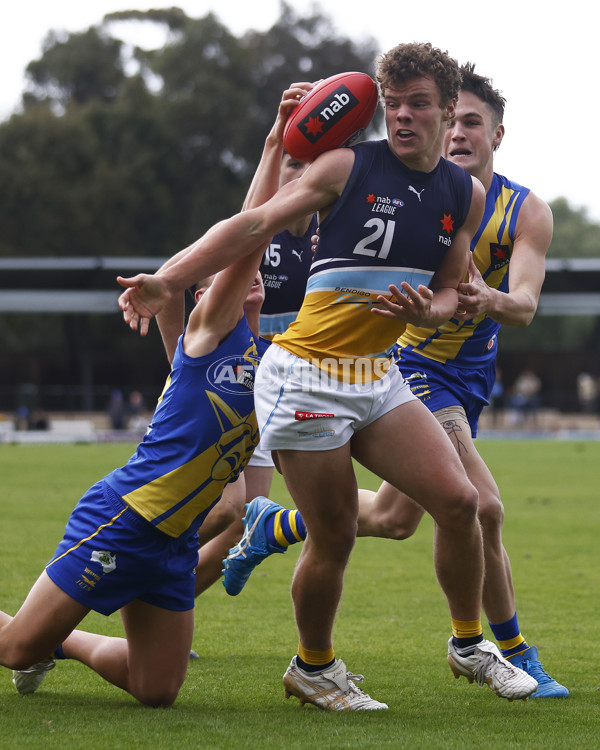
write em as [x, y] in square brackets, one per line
[443, 307]
[265, 182]
[513, 309]
[171, 322]
[221, 246]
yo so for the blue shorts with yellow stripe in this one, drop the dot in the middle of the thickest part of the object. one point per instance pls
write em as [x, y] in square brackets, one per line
[439, 385]
[110, 556]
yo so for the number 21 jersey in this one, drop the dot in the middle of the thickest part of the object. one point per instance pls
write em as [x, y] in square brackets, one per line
[391, 224]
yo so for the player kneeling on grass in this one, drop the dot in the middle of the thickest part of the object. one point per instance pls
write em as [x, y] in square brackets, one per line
[131, 544]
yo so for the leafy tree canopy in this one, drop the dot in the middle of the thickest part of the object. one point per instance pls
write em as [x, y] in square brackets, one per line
[138, 152]
[120, 153]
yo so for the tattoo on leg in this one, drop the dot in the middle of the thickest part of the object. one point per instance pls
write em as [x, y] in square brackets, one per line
[453, 429]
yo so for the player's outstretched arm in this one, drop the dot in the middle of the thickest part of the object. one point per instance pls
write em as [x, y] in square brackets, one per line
[238, 237]
[144, 297]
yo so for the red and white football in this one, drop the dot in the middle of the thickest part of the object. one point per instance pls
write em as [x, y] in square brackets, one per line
[333, 114]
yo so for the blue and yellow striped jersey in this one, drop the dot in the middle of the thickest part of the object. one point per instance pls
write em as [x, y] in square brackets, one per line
[391, 224]
[201, 436]
[473, 343]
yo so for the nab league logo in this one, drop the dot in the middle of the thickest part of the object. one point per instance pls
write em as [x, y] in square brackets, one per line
[326, 114]
[108, 560]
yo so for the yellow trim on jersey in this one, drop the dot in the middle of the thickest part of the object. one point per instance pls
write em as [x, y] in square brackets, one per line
[217, 465]
[344, 339]
[451, 336]
[167, 384]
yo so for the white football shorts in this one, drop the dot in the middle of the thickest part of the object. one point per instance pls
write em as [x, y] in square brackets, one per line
[262, 458]
[298, 407]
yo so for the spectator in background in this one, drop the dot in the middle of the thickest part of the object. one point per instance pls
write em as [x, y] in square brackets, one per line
[22, 418]
[116, 410]
[497, 398]
[136, 412]
[587, 393]
[39, 420]
[525, 399]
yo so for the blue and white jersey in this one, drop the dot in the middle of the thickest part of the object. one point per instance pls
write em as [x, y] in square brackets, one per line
[391, 224]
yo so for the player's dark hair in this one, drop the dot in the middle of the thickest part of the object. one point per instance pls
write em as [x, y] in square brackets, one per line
[415, 60]
[482, 88]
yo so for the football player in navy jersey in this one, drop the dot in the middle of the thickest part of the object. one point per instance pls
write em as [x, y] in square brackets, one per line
[452, 369]
[396, 221]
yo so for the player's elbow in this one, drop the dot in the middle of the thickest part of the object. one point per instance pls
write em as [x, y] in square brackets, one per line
[524, 321]
[526, 316]
[517, 313]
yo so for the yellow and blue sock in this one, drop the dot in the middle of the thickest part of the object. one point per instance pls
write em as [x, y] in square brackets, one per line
[314, 661]
[508, 635]
[284, 528]
[466, 635]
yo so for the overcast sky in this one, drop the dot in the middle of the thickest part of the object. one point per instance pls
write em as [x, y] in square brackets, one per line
[543, 56]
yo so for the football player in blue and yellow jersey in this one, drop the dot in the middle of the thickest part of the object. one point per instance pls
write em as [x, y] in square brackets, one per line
[284, 270]
[452, 368]
[131, 543]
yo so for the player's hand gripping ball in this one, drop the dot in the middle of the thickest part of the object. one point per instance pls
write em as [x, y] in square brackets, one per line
[333, 114]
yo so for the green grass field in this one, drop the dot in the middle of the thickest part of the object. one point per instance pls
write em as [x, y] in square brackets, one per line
[393, 625]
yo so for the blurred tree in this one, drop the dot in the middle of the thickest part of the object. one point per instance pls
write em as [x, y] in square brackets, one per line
[107, 163]
[221, 93]
[575, 236]
[75, 68]
[100, 180]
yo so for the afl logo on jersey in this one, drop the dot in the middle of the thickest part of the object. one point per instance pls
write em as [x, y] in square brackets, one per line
[233, 374]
